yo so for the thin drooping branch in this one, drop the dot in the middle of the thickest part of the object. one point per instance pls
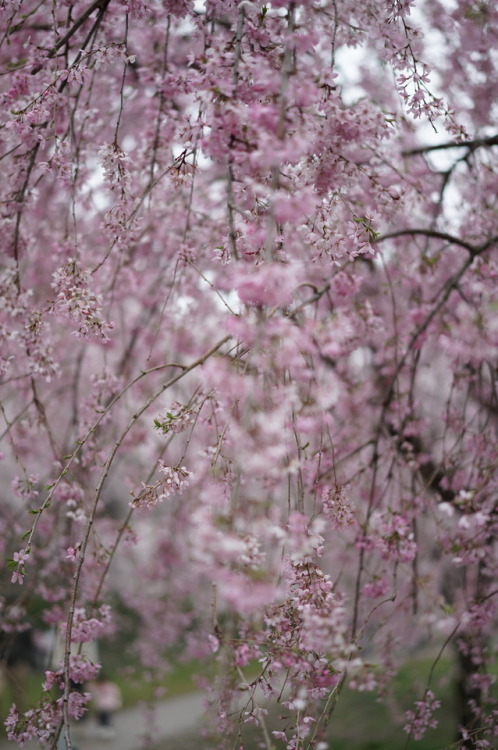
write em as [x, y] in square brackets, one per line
[88, 528]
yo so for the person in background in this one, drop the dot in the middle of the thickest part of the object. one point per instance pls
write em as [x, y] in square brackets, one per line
[107, 700]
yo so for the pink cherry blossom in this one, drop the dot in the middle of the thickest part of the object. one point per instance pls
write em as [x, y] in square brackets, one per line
[248, 336]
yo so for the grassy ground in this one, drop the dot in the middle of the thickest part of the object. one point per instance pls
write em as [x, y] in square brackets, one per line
[359, 722]
[134, 686]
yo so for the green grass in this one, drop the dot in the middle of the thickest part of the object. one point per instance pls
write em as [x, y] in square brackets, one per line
[135, 684]
[359, 721]
[30, 689]
[362, 722]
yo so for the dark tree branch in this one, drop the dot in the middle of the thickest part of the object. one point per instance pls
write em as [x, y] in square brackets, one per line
[474, 250]
[432, 475]
[100, 5]
[471, 145]
[427, 233]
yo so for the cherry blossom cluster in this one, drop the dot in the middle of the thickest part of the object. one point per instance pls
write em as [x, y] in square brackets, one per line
[17, 561]
[85, 629]
[174, 482]
[422, 717]
[337, 507]
[114, 163]
[306, 635]
[77, 302]
[81, 670]
[42, 723]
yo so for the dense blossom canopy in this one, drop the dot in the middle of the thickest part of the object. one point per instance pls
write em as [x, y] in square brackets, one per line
[248, 345]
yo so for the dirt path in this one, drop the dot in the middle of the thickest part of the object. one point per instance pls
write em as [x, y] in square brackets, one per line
[172, 718]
